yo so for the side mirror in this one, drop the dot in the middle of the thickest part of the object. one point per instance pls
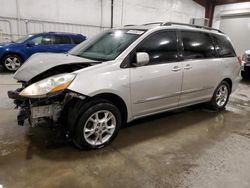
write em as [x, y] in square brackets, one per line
[142, 58]
[30, 43]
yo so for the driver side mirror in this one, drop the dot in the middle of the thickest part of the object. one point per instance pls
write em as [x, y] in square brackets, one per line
[142, 58]
[30, 43]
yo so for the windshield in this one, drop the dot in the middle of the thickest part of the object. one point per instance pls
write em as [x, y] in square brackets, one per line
[107, 45]
[22, 39]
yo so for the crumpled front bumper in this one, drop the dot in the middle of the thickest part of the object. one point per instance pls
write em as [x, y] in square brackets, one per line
[20, 103]
[37, 111]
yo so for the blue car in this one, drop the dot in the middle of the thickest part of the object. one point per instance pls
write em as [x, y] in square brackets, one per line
[13, 54]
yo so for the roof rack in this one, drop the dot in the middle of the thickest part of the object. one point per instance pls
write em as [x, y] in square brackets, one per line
[191, 25]
[154, 23]
[176, 23]
[129, 25]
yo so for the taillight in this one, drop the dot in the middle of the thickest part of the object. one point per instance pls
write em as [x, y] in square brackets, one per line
[239, 60]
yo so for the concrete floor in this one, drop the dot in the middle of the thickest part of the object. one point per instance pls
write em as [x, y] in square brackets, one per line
[192, 147]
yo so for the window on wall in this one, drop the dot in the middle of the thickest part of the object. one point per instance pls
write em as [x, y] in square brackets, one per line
[197, 45]
[224, 47]
[161, 47]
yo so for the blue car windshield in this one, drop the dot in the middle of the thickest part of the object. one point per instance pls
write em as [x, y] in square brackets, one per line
[23, 39]
[107, 45]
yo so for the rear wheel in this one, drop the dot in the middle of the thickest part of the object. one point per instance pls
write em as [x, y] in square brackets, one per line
[220, 97]
[97, 126]
[12, 62]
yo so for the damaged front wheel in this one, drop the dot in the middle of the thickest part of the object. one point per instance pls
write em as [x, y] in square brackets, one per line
[98, 125]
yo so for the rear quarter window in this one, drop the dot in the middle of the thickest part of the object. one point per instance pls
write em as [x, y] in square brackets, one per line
[223, 46]
[77, 40]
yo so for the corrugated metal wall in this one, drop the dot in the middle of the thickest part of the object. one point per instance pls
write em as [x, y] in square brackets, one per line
[35, 26]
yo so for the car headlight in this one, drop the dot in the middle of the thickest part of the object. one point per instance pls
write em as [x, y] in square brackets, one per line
[48, 85]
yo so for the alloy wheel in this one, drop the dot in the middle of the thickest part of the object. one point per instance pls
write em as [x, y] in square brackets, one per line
[99, 127]
[222, 95]
[12, 63]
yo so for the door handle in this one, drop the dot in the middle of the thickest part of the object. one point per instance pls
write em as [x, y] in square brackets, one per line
[187, 67]
[176, 68]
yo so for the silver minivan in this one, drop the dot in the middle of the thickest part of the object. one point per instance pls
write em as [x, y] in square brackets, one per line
[124, 74]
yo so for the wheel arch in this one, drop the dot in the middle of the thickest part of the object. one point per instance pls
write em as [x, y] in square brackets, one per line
[14, 53]
[229, 81]
[74, 105]
[117, 101]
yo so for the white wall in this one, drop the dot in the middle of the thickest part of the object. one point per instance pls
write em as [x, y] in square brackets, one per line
[95, 13]
[229, 18]
[229, 7]
[143, 11]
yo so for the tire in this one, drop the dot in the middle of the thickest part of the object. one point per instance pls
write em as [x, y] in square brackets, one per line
[218, 103]
[12, 62]
[244, 75]
[92, 131]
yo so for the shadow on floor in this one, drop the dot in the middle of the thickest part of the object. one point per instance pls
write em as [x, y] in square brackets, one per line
[52, 145]
[245, 82]
[4, 72]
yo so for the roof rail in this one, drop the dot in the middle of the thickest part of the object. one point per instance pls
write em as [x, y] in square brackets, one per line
[129, 25]
[154, 23]
[191, 25]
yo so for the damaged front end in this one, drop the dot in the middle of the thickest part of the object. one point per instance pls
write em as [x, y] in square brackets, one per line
[45, 78]
[45, 111]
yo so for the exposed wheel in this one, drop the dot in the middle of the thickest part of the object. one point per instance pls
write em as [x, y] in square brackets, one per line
[12, 62]
[244, 75]
[97, 126]
[220, 97]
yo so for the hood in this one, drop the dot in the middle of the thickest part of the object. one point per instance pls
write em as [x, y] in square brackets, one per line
[7, 44]
[42, 62]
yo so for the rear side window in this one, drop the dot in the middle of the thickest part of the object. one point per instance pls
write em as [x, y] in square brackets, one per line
[161, 47]
[62, 39]
[197, 45]
[77, 40]
[223, 46]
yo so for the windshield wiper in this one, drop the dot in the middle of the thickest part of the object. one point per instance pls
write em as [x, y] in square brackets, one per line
[96, 59]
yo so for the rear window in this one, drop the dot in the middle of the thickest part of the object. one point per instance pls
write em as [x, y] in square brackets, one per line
[197, 45]
[223, 47]
[77, 40]
[62, 40]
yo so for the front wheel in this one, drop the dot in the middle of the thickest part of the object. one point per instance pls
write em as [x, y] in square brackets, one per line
[97, 126]
[220, 97]
[12, 62]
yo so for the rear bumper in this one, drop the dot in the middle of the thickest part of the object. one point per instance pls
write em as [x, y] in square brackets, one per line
[236, 83]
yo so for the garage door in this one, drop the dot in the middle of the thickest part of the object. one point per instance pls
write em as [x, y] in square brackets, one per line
[238, 29]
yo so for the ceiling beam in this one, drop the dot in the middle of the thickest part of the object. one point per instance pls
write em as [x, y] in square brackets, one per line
[209, 6]
[223, 2]
[201, 2]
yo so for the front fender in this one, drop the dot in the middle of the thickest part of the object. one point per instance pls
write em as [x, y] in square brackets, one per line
[13, 51]
[102, 79]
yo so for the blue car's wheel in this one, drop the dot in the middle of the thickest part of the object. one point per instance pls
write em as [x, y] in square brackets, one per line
[12, 62]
